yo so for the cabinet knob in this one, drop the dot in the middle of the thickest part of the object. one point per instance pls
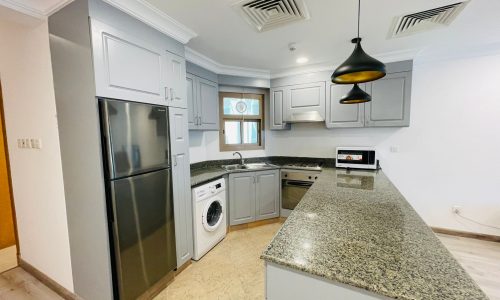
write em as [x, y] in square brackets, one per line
[310, 177]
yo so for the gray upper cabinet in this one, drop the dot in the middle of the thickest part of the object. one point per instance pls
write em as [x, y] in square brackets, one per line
[277, 109]
[390, 105]
[342, 115]
[192, 105]
[304, 98]
[209, 104]
[127, 67]
[175, 86]
[241, 198]
[253, 196]
[203, 103]
[181, 184]
[267, 194]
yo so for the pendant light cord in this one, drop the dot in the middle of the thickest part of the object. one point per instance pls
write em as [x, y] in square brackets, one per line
[359, 14]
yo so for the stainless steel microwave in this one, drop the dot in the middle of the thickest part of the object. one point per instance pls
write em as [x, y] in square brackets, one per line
[356, 158]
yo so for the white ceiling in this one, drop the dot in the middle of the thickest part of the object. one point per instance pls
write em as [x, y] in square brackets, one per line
[224, 36]
[230, 44]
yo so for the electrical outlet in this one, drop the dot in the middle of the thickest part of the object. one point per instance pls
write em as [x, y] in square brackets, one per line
[456, 209]
[394, 149]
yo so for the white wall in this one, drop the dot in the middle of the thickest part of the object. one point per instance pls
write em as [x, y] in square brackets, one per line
[29, 103]
[450, 153]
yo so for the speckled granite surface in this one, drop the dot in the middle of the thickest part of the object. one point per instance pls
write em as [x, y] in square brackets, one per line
[199, 176]
[206, 171]
[356, 228]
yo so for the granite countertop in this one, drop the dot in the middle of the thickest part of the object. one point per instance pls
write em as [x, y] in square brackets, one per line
[356, 228]
[199, 176]
[206, 171]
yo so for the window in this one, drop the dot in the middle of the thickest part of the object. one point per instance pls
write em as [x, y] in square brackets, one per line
[241, 121]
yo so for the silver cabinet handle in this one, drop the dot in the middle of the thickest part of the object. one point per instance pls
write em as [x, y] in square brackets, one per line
[166, 93]
[175, 160]
[199, 120]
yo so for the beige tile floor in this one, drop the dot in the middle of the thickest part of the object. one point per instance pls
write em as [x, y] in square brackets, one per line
[233, 270]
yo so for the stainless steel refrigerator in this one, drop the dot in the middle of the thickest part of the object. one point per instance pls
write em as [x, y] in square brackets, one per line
[139, 194]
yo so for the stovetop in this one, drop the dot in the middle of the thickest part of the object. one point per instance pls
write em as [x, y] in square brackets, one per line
[303, 166]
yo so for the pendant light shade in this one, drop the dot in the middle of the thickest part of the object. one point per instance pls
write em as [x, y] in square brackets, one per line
[359, 67]
[355, 95]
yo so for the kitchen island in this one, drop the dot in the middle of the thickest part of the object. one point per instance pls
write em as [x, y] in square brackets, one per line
[354, 236]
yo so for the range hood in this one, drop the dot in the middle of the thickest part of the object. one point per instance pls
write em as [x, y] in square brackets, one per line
[305, 117]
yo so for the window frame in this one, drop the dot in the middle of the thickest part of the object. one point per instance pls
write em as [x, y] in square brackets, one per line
[260, 119]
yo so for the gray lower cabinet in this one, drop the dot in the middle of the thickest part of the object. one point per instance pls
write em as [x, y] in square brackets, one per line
[276, 110]
[202, 103]
[253, 196]
[241, 198]
[390, 105]
[342, 115]
[267, 194]
[181, 184]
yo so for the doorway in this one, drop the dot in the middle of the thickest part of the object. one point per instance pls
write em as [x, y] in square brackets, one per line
[8, 237]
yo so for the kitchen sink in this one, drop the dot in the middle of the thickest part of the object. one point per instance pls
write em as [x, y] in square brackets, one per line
[253, 166]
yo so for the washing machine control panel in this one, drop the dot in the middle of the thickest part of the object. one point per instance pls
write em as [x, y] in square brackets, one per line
[209, 189]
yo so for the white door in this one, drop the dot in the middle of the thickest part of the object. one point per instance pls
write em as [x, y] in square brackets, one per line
[127, 67]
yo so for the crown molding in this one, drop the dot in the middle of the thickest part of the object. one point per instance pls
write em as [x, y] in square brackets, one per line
[386, 57]
[28, 9]
[155, 18]
[139, 9]
[218, 68]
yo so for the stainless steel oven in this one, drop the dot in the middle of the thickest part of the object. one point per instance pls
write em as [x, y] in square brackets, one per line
[294, 184]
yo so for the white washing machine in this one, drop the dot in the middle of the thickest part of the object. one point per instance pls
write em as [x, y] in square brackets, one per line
[209, 216]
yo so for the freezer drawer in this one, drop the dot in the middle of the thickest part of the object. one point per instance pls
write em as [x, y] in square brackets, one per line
[143, 231]
[135, 137]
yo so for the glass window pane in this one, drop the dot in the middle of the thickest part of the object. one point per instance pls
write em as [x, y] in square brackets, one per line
[241, 107]
[250, 132]
[232, 130]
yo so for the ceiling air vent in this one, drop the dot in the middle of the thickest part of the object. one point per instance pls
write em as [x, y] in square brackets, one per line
[268, 14]
[426, 20]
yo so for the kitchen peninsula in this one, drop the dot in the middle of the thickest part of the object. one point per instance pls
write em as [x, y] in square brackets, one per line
[354, 236]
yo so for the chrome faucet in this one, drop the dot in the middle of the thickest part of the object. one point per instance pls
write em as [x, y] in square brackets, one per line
[242, 161]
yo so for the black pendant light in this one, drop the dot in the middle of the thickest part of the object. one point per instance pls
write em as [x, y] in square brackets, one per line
[359, 67]
[356, 95]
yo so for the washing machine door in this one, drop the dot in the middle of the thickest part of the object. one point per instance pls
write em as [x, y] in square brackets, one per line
[213, 215]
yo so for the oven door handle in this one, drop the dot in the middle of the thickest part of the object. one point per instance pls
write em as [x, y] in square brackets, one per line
[298, 183]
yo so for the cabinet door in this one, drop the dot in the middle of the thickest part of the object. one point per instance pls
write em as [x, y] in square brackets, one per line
[208, 104]
[304, 98]
[176, 80]
[241, 198]
[127, 67]
[276, 109]
[267, 194]
[192, 104]
[342, 115]
[181, 182]
[390, 105]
